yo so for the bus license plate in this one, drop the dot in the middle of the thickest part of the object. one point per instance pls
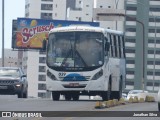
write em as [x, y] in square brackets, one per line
[3, 87]
[74, 84]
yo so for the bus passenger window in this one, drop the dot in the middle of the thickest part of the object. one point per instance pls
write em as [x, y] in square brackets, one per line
[115, 45]
[119, 46]
[111, 49]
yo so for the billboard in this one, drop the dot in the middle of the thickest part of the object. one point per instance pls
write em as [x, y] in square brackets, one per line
[30, 33]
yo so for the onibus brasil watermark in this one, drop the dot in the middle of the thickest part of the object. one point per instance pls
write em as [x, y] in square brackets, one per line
[21, 114]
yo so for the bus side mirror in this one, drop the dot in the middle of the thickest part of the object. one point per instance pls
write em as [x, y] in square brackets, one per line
[44, 45]
[107, 46]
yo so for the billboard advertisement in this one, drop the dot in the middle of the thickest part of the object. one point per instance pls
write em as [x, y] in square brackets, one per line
[30, 33]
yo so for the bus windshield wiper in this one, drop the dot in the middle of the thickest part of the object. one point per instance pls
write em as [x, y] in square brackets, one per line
[69, 52]
[85, 64]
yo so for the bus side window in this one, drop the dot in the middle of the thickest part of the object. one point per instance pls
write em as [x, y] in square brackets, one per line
[119, 47]
[106, 46]
[115, 45]
[123, 47]
[111, 45]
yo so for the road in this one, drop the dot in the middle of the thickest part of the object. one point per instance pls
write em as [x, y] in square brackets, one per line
[12, 103]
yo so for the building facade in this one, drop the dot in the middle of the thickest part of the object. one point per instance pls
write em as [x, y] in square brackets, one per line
[11, 58]
[143, 44]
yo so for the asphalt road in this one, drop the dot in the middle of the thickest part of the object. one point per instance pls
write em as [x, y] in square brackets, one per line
[12, 103]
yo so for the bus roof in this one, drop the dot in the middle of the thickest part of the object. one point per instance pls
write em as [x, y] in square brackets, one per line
[85, 28]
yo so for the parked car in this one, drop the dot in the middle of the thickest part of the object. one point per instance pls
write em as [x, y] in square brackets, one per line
[124, 95]
[13, 81]
[159, 99]
[134, 93]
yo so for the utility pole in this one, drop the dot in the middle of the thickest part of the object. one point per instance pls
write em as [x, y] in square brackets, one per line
[2, 33]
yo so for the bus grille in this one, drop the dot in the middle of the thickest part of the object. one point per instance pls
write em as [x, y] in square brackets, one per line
[76, 78]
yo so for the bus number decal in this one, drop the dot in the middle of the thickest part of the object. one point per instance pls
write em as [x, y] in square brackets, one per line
[62, 74]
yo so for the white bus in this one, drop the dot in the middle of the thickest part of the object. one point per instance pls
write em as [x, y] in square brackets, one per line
[85, 60]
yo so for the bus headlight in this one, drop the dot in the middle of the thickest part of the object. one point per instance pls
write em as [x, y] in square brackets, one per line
[50, 75]
[98, 75]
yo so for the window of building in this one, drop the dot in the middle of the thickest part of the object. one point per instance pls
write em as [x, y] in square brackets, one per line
[149, 83]
[150, 51]
[46, 7]
[42, 59]
[129, 83]
[130, 19]
[158, 52]
[87, 5]
[150, 73]
[131, 29]
[42, 68]
[130, 61]
[27, 14]
[47, 0]
[42, 77]
[150, 62]
[41, 86]
[131, 8]
[130, 72]
[150, 40]
[46, 15]
[41, 95]
[151, 30]
[42, 52]
[157, 73]
[157, 62]
[130, 40]
[130, 51]
[158, 41]
[154, 19]
[156, 9]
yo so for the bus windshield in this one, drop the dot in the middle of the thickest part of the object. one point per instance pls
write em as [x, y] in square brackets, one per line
[75, 50]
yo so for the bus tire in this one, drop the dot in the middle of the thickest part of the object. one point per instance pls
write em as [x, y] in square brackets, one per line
[106, 95]
[75, 96]
[118, 94]
[68, 97]
[120, 89]
[55, 95]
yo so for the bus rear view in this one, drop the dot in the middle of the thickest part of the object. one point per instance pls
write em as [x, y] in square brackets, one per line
[78, 63]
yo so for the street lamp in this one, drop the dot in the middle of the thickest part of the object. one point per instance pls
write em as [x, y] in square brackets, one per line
[116, 3]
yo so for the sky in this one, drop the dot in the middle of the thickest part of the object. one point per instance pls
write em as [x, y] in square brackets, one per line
[12, 10]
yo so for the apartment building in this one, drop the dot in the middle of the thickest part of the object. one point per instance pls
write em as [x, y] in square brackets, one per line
[12, 58]
[143, 49]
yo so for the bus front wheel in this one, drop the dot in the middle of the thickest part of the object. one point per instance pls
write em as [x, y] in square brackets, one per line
[55, 95]
[75, 96]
